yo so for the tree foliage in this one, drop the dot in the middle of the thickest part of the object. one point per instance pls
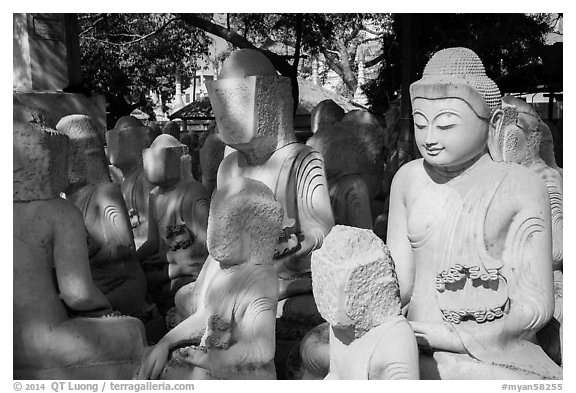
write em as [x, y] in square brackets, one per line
[126, 55]
[504, 42]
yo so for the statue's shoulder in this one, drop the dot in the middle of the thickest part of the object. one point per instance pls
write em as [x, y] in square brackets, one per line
[61, 209]
[107, 191]
[410, 171]
[522, 186]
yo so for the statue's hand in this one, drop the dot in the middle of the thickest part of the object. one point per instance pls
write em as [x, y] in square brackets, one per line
[153, 361]
[193, 355]
[437, 335]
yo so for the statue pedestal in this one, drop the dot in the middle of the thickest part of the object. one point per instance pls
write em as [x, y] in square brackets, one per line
[106, 370]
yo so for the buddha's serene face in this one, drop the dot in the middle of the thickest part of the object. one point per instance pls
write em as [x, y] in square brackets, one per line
[448, 132]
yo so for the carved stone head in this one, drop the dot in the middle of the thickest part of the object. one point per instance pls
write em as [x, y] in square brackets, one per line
[126, 141]
[252, 104]
[244, 224]
[40, 157]
[166, 161]
[327, 112]
[88, 162]
[454, 104]
[354, 281]
[520, 136]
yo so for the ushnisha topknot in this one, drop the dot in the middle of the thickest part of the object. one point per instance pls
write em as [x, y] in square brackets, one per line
[458, 73]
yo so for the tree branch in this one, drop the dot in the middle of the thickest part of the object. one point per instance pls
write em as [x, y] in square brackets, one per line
[375, 60]
[142, 38]
[99, 18]
[235, 39]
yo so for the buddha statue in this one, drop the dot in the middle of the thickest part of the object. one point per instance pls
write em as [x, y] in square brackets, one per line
[253, 110]
[519, 142]
[211, 155]
[230, 332]
[356, 291]
[352, 151]
[326, 113]
[125, 143]
[470, 237]
[63, 325]
[115, 268]
[177, 217]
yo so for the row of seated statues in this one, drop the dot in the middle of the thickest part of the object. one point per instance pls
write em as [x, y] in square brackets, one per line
[170, 277]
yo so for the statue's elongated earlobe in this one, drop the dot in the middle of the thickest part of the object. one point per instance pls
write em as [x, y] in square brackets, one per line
[494, 135]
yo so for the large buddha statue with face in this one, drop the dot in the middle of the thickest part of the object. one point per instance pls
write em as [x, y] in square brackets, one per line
[230, 333]
[115, 268]
[178, 216]
[64, 327]
[253, 107]
[470, 237]
[519, 142]
[125, 143]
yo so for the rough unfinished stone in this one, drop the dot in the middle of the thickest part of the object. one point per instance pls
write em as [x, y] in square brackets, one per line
[88, 162]
[42, 154]
[235, 297]
[354, 280]
[356, 290]
[162, 160]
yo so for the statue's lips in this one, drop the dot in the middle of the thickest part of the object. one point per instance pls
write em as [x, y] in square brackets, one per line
[434, 152]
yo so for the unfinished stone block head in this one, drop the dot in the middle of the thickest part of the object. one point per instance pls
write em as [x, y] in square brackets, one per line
[458, 73]
[327, 112]
[126, 141]
[244, 224]
[165, 161]
[354, 281]
[252, 104]
[172, 128]
[88, 162]
[520, 135]
[40, 157]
